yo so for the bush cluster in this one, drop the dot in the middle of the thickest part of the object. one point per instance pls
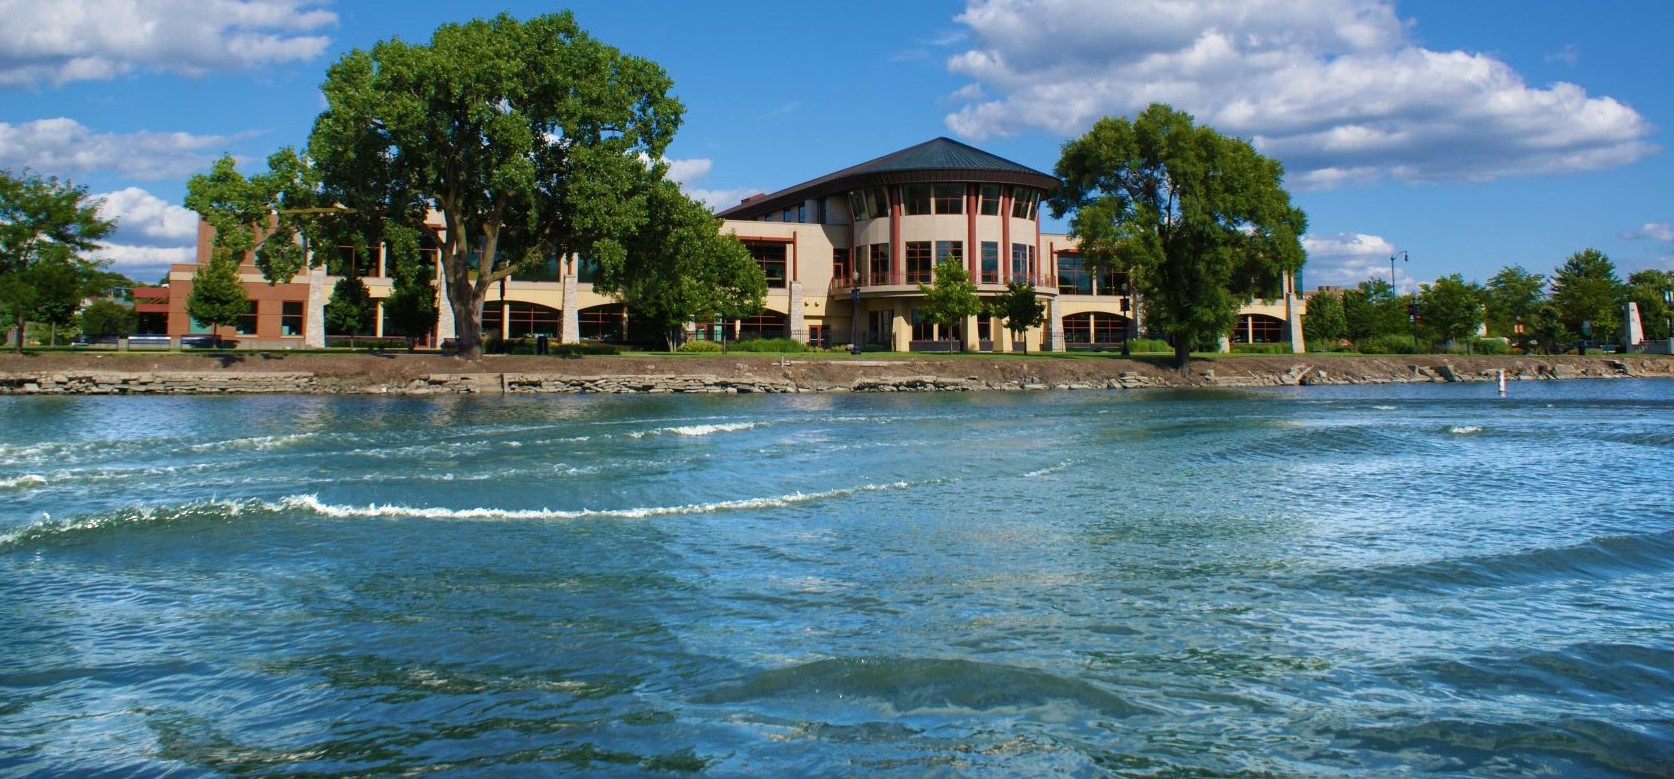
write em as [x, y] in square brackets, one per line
[1148, 346]
[1261, 348]
[1389, 344]
[774, 345]
[699, 347]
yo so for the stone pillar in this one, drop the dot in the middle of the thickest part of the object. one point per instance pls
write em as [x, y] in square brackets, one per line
[313, 329]
[1054, 321]
[446, 329]
[570, 330]
[902, 332]
[798, 320]
[1293, 318]
[1633, 331]
[971, 340]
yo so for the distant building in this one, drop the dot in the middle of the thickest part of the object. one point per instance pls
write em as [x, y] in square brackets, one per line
[843, 255]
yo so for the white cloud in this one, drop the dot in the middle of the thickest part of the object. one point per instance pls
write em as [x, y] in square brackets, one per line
[146, 264]
[64, 146]
[1332, 88]
[687, 173]
[145, 218]
[1655, 231]
[1346, 259]
[62, 41]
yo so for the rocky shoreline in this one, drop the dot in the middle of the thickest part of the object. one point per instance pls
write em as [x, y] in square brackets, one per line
[407, 374]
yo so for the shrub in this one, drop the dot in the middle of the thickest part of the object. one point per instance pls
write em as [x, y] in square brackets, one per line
[1490, 346]
[1261, 348]
[1389, 344]
[699, 347]
[581, 349]
[774, 345]
[1326, 346]
[1148, 346]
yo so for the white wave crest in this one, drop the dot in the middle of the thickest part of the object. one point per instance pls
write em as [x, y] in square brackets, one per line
[696, 430]
[25, 480]
[313, 503]
[1383, 408]
[256, 443]
[1465, 429]
[1060, 467]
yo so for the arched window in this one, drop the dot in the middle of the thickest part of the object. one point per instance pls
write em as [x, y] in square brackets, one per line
[1095, 328]
[1258, 329]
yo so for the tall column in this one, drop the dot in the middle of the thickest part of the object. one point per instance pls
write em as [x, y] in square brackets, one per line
[1055, 321]
[570, 332]
[446, 329]
[313, 328]
[1293, 317]
[798, 321]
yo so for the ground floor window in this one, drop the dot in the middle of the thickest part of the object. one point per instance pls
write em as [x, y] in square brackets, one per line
[1095, 328]
[764, 325]
[603, 323]
[1258, 329]
[519, 320]
[818, 336]
[247, 322]
[290, 317]
[880, 327]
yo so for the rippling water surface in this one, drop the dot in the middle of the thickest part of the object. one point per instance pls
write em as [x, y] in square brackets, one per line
[1428, 580]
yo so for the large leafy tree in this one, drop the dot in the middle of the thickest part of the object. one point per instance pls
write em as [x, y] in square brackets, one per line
[1651, 288]
[1200, 221]
[411, 305]
[1514, 295]
[951, 298]
[1452, 308]
[1325, 320]
[530, 138]
[350, 310]
[1021, 307]
[1373, 309]
[1586, 289]
[680, 267]
[46, 226]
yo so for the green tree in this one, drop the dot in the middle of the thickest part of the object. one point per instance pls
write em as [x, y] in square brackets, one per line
[350, 309]
[1514, 295]
[217, 299]
[1586, 289]
[411, 305]
[680, 267]
[531, 139]
[1372, 309]
[1452, 308]
[1649, 289]
[107, 317]
[1325, 320]
[1200, 221]
[58, 285]
[951, 297]
[43, 221]
[1020, 306]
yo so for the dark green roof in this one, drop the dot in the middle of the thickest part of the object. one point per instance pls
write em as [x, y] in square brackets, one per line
[938, 160]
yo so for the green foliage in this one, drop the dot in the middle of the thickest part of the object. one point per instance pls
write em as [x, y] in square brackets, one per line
[1020, 307]
[951, 298]
[1200, 221]
[1323, 346]
[1390, 343]
[217, 298]
[769, 346]
[1373, 309]
[1514, 295]
[1452, 308]
[699, 347]
[47, 227]
[1585, 289]
[680, 268]
[105, 317]
[1261, 348]
[583, 349]
[1325, 319]
[411, 306]
[350, 309]
[1647, 288]
[1148, 346]
[1491, 346]
[529, 137]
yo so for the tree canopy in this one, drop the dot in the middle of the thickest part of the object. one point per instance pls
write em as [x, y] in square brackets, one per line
[1514, 295]
[530, 138]
[1325, 320]
[1020, 306]
[1452, 308]
[1585, 289]
[1200, 221]
[683, 270]
[47, 229]
[951, 297]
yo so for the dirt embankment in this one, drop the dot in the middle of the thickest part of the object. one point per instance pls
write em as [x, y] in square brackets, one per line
[400, 372]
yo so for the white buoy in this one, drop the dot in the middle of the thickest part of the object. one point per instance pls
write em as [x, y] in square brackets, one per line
[1502, 381]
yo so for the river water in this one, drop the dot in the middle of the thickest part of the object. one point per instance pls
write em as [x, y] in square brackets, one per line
[1325, 581]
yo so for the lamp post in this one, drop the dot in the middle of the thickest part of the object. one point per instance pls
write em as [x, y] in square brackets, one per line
[1412, 307]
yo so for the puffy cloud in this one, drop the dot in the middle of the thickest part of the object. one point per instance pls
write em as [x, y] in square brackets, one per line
[79, 40]
[64, 146]
[689, 172]
[146, 264]
[145, 218]
[1333, 88]
[1346, 259]
[1655, 231]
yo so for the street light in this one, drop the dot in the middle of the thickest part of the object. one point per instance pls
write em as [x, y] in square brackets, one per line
[1412, 307]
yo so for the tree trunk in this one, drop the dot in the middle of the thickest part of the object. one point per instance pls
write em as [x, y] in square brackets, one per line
[1182, 352]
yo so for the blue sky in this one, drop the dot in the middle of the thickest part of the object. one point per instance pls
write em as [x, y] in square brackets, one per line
[1469, 135]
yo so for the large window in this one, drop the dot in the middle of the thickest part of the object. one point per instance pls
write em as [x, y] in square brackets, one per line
[918, 262]
[764, 325]
[1073, 278]
[290, 317]
[601, 323]
[1095, 328]
[247, 322]
[880, 327]
[990, 262]
[990, 200]
[547, 271]
[1023, 202]
[346, 258]
[771, 257]
[950, 251]
[878, 263]
[586, 269]
[1258, 329]
[950, 198]
[1111, 282]
[1023, 262]
[869, 203]
[840, 264]
[923, 328]
[915, 199]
